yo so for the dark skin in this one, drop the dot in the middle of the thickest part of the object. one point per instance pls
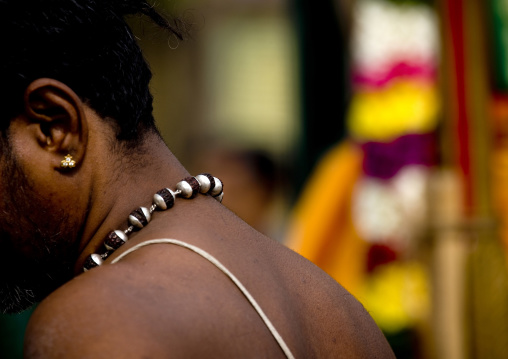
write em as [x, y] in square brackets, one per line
[162, 300]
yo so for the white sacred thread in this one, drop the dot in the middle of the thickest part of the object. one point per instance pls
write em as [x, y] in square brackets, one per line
[231, 276]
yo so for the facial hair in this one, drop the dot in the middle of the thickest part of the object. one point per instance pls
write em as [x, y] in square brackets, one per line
[37, 244]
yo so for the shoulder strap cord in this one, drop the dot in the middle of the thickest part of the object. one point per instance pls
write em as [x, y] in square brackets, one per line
[231, 276]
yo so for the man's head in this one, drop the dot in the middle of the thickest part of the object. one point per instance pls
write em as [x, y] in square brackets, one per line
[36, 249]
[61, 60]
[85, 44]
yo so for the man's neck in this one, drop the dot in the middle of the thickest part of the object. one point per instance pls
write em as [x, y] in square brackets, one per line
[121, 188]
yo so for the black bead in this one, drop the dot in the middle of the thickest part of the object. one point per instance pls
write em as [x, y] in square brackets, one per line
[194, 185]
[89, 263]
[140, 216]
[113, 241]
[167, 197]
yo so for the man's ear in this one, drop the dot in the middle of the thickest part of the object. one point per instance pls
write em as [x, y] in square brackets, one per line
[58, 114]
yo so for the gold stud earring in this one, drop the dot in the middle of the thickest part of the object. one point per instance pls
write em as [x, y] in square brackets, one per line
[68, 162]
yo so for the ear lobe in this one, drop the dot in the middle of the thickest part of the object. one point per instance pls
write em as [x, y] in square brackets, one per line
[59, 116]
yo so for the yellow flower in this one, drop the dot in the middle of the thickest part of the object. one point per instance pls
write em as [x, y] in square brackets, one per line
[397, 295]
[404, 106]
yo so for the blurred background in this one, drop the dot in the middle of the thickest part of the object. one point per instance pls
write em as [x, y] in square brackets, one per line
[368, 135]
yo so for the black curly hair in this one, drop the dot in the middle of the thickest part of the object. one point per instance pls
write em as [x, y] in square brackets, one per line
[85, 44]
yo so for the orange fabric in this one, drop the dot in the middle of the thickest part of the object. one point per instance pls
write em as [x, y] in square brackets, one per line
[322, 228]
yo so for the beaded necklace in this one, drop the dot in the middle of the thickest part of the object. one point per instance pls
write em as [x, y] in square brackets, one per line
[164, 199]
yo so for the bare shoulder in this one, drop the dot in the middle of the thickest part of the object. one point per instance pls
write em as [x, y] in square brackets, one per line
[139, 308]
[333, 322]
[107, 312]
[88, 317]
[167, 299]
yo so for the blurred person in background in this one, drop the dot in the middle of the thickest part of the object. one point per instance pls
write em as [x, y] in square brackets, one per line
[249, 168]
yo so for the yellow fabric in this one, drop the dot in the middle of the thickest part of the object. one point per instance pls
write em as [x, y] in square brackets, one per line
[322, 228]
[402, 107]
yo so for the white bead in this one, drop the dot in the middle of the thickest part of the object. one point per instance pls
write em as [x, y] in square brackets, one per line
[218, 187]
[97, 259]
[135, 222]
[159, 201]
[185, 189]
[219, 197]
[204, 183]
[147, 213]
[121, 235]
